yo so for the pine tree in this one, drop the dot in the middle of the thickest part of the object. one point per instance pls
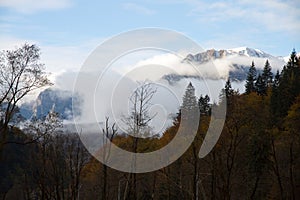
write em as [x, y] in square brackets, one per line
[251, 78]
[189, 104]
[204, 106]
[228, 89]
[288, 88]
[260, 86]
[274, 103]
[226, 93]
[276, 80]
[267, 75]
[293, 61]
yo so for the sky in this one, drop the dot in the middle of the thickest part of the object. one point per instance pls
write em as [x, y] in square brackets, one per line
[67, 31]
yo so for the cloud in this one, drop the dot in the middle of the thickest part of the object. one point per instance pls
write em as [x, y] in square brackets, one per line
[138, 8]
[32, 6]
[276, 64]
[274, 15]
[155, 67]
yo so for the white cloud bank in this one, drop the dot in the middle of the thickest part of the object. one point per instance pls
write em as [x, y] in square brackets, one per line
[157, 66]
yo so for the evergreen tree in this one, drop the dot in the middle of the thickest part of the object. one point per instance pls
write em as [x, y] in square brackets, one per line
[189, 104]
[251, 78]
[204, 105]
[293, 61]
[260, 86]
[288, 88]
[226, 93]
[228, 89]
[267, 75]
[276, 79]
[274, 103]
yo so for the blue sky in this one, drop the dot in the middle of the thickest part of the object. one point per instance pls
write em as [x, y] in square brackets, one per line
[68, 30]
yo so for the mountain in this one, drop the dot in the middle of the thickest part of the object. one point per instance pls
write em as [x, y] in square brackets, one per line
[238, 61]
[213, 54]
[51, 99]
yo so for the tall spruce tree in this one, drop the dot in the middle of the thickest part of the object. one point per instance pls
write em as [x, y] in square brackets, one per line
[288, 88]
[227, 92]
[293, 61]
[228, 89]
[276, 80]
[260, 85]
[204, 105]
[251, 78]
[189, 102]
[267, 75]
[274, 103]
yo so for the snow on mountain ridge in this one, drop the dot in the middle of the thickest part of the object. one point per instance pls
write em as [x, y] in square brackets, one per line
[250, 52]
[213, 54]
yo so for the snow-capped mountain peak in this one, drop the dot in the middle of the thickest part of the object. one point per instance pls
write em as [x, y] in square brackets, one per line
[250, 52]
[213, 54]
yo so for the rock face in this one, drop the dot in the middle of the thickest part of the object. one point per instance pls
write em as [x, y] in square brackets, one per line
[52, 99]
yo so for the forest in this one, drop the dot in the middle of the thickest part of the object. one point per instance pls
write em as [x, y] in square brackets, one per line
[256, 156]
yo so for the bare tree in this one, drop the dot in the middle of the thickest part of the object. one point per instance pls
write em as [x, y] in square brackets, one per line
[108, 134]
[76, 158]
[138, 122]
[42, 132]
[20, 73]
[140, 100]
[58, 161]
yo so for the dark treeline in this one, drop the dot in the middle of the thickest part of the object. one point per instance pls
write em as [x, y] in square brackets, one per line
[256, 157]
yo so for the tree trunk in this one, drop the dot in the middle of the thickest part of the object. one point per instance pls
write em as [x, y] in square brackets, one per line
[153, 186]
[292, 172]
[276, 170]
[135, 146]
[255, 187]
[196, 175]
[213, 177]
[104, 196]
